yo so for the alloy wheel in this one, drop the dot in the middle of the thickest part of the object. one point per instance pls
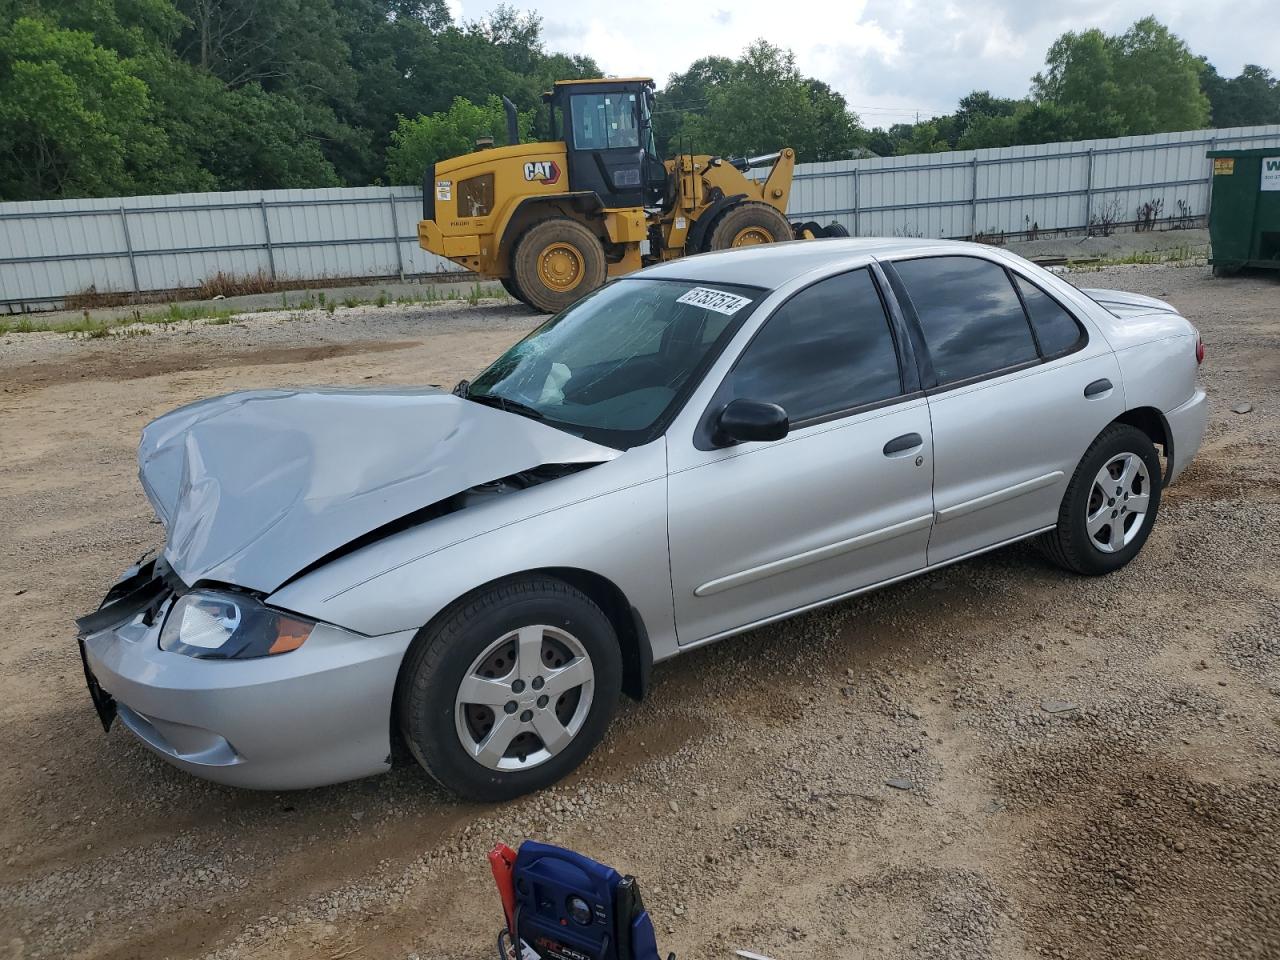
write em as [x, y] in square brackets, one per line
[524, 698]
[1118, 502]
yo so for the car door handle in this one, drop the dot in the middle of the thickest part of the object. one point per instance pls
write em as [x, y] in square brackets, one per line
[1097, 389]
[904, 444]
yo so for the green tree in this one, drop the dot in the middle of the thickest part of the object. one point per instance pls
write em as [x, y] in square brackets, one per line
[1079, 78]
[763, 103]
[418, 143]
[1251, 98]
[1142, 81]
[75, 116]
[687, 93]
[1159, 79]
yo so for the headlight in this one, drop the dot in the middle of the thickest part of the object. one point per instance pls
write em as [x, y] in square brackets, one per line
[226, 626]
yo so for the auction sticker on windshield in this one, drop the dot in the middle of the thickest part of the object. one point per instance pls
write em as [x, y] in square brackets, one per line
[717, 300]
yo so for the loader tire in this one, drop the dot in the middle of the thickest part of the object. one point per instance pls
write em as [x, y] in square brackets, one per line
[809, 230]
[749, 224]
[556, 263]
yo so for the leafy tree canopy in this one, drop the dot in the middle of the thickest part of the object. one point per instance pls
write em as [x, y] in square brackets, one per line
[757, 104]
[110, 97]
[418, 143]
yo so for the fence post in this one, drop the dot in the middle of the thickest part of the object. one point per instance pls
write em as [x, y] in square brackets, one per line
[973, 199]
[128, 246]
[1088, 196]
[266, 232]
[395, 231]
[855, 203]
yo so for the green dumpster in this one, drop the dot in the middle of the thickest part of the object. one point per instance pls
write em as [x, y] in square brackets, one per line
[1244, 212]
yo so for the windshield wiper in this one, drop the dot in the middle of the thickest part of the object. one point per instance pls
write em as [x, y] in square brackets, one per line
[510, 406]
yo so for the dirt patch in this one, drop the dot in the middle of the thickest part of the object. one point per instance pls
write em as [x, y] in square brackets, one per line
[113, 367]
[1130, 859]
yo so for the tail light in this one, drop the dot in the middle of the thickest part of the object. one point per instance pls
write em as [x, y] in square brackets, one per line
[1199, 350]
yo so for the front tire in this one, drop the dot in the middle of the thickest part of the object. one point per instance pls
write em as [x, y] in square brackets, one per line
[747, 225]
[511, 690]
[1110, 505]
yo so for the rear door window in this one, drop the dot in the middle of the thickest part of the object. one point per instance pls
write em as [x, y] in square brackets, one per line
[1057, 330]
[971, 317]
[827, 349]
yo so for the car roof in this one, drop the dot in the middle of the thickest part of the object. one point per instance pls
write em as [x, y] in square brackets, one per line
[774, 264]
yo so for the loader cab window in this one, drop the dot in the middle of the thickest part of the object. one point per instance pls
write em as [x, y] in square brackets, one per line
[604, 121]
[646, 125]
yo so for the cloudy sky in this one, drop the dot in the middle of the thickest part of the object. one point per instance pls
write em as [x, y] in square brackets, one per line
[891, 59]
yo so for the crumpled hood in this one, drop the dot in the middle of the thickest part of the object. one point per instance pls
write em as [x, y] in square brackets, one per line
[254, 486]
[1124, 304]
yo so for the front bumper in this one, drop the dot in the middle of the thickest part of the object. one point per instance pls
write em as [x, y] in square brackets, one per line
[1186, 426]
[320, 714]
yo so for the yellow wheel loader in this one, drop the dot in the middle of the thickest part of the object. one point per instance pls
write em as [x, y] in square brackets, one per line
[554, 220]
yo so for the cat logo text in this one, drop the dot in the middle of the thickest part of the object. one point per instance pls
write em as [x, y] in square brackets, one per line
[543, 171]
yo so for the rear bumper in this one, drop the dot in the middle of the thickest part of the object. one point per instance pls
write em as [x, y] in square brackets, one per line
[1186, 427]
[318, 715]
[461, 248]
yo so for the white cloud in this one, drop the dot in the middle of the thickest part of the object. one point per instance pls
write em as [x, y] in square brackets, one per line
[890, 58]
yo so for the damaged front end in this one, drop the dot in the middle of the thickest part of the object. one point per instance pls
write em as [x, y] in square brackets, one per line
[191, 651]
[140, 593]
[255, 487]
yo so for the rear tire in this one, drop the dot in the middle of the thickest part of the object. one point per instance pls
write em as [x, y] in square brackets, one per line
[522, 740]
[1110, 505]
[556, 263]
[749, 224]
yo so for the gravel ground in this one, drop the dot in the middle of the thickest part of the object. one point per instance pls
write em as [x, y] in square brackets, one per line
[994, 760]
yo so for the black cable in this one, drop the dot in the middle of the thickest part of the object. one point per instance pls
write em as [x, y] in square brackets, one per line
[513, 935]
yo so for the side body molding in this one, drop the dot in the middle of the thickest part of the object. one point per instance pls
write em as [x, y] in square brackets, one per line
[813, 556]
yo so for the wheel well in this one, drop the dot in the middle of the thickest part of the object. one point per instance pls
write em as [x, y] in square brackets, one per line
[637, 655]
[633, 638]
[583, 207]
[1151, 422]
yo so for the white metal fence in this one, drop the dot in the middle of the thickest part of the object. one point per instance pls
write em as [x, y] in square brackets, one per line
[53, 249]
[1015, 190]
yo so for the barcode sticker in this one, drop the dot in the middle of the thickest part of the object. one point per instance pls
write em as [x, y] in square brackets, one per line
[717, 300]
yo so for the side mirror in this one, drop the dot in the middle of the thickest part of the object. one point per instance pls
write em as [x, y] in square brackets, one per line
[743, 420]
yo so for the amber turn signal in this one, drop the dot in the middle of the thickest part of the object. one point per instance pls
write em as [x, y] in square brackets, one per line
[290, 635]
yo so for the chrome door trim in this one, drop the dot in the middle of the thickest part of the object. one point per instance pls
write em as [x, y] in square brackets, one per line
[774, 567]
[703, 641]
[999, 496]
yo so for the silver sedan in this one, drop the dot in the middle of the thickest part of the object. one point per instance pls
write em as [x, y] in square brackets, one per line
[690, 452]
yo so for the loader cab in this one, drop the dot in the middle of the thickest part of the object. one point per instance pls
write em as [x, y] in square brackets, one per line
[607, 129]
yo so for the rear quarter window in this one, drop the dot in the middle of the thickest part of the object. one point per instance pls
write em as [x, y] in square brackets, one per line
[1057, 330]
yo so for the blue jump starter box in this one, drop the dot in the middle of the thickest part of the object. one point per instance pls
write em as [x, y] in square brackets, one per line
[569, 907]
